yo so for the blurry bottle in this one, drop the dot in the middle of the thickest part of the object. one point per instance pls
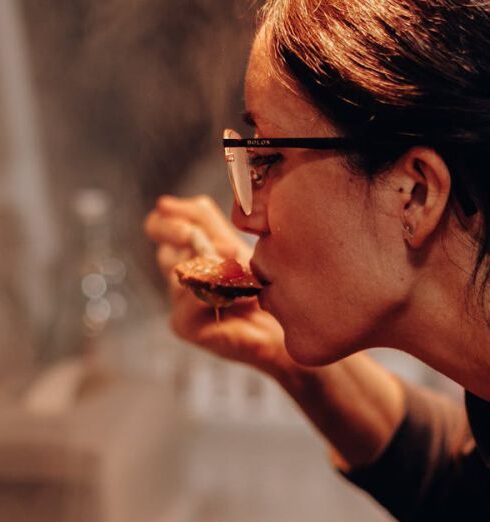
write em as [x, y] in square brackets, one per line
[104, 304]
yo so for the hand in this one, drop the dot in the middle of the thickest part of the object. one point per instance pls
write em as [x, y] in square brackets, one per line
[244, 333]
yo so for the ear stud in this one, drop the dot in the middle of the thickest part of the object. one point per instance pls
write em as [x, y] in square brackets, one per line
[408, 229]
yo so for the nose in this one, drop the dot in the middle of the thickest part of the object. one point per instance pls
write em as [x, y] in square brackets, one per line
[256, 223]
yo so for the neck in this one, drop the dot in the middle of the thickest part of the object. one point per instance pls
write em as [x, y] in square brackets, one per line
[447, 329]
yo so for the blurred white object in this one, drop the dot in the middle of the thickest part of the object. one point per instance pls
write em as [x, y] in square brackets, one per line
[108, 452]
[56, 390]
[92, 205]
[105, 305]
[23, 181]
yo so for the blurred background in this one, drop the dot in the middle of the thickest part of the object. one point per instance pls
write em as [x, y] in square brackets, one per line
[104, 415]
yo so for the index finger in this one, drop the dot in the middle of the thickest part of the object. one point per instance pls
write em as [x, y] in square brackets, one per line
[202, 211]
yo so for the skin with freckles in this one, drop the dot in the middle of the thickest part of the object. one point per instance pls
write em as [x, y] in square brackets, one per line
[355, 264]
[352, 264]
[334, 277]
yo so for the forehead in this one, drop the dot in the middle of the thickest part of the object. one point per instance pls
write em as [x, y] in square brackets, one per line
[278, 109]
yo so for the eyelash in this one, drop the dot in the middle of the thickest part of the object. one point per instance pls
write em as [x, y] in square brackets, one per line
[257, 161]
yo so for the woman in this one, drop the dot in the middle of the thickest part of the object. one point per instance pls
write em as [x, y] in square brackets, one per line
[377, 239]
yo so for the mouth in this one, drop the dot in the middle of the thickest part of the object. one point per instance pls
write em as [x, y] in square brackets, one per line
[259, 274]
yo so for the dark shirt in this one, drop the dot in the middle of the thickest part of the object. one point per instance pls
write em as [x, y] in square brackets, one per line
[433, 469]
[479, 417]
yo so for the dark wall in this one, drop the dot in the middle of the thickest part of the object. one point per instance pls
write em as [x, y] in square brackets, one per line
[132, 94]
[143, 85]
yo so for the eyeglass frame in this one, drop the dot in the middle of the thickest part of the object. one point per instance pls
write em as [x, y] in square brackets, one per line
[343, 144]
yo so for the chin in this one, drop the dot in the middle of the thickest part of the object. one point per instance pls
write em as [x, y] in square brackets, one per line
[299, 348]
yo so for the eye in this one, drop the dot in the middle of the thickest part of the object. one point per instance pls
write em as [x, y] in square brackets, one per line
[260, 166]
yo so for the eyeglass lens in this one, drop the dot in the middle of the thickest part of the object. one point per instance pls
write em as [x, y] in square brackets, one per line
[239, 172]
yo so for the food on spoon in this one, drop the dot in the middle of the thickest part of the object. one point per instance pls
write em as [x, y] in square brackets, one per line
[216, 281]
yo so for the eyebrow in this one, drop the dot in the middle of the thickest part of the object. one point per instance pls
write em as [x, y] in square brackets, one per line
[248, 119]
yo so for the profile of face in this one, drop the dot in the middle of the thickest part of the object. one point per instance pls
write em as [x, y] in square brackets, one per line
[329, 242]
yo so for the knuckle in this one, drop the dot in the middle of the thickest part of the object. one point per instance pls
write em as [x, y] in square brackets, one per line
[166, 204]
[163, 200]
[205, 202]
[161, 203]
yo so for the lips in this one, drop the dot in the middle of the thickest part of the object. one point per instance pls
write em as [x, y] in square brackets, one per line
[259, 274]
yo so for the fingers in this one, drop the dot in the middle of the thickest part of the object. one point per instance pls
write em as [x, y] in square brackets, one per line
[183, 234]
[189, 315]
[201, 211]
[168, 256]
[191, 318]
[178, 232]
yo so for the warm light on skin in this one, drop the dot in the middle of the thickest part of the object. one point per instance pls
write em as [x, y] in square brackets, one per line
[344, 274]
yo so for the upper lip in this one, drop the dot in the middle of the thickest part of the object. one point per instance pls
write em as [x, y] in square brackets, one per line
[259, 274]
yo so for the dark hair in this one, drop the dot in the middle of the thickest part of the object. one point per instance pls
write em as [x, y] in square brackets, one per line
[414, 69]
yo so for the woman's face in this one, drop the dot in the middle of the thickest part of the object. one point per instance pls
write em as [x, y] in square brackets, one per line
[329, 244]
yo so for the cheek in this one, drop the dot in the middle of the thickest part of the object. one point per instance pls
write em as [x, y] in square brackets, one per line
[316, 227]
[314, 244]
[332, 291]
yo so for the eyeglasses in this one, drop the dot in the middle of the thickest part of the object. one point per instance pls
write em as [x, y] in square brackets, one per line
[247, 170]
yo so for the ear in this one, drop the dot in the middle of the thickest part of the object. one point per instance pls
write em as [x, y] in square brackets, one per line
[424, 188]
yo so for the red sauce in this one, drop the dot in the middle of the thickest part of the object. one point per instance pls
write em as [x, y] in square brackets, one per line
[230, 269]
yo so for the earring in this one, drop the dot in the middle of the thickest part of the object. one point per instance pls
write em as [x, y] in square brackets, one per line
[408, 230]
